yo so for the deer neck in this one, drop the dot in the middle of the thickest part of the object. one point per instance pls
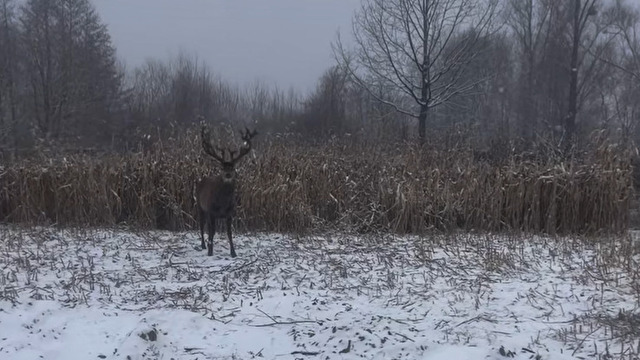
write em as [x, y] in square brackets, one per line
[227, 188]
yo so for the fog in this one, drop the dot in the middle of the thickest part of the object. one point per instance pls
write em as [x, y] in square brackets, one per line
[283, 42]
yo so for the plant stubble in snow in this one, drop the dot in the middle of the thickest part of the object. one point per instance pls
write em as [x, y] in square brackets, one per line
[121, 295]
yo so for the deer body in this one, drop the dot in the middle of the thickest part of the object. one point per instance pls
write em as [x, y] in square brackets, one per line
[216, 195]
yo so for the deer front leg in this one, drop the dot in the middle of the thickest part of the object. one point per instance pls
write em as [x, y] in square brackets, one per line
[203, 220]
[233, 250]
[212, 232]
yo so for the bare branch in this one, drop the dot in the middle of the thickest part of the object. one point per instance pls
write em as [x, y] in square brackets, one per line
[417, 48]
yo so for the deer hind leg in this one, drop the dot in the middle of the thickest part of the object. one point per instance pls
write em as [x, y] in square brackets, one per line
[203, 221]
[212, 232]
[233, 250]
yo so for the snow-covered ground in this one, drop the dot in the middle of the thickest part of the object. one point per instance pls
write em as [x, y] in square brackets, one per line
[112, 294]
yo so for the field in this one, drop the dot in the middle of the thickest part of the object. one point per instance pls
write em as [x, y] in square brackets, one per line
[117, 294]
[99, 259]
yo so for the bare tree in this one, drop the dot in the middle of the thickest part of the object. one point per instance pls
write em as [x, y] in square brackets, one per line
[560, 78]
[405, 45]
[72, 68]
[588, 40]
[626, 26]
[625, 20]
[325, 113]
[529, 21]
[150, 86]
[486, 108]
[9, 58]
[582, 9]
[167, 96]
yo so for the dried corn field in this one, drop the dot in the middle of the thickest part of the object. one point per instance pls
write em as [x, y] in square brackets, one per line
[294, 188]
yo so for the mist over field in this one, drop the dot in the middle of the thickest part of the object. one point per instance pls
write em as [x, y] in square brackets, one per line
[337, 179]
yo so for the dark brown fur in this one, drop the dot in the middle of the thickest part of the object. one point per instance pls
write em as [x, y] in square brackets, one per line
[216, 195]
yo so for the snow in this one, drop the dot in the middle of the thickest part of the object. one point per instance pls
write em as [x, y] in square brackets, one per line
[113, 294]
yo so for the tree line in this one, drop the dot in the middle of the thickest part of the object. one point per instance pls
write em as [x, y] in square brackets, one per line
[526, 73]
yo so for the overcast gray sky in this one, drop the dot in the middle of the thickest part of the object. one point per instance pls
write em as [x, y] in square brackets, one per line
[283, 42]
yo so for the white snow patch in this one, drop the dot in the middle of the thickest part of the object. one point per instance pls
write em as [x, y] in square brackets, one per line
[120, 295]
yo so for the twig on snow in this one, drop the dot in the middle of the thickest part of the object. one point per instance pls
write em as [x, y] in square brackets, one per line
[404, 336]
[277, 322]
[584, 339]
[307, 353]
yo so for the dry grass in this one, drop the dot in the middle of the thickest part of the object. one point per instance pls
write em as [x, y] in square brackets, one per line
[293, 188]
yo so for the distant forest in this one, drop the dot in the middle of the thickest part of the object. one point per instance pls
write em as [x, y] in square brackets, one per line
[515, 74]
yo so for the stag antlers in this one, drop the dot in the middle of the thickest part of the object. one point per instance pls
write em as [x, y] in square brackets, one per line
[218, 153]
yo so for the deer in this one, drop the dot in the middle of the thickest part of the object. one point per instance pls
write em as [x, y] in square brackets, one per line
[216, 196]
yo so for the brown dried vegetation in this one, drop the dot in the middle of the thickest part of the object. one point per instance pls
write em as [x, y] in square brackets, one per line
[284, 187]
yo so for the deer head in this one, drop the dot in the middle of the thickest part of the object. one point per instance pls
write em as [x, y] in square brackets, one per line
[219, 154]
